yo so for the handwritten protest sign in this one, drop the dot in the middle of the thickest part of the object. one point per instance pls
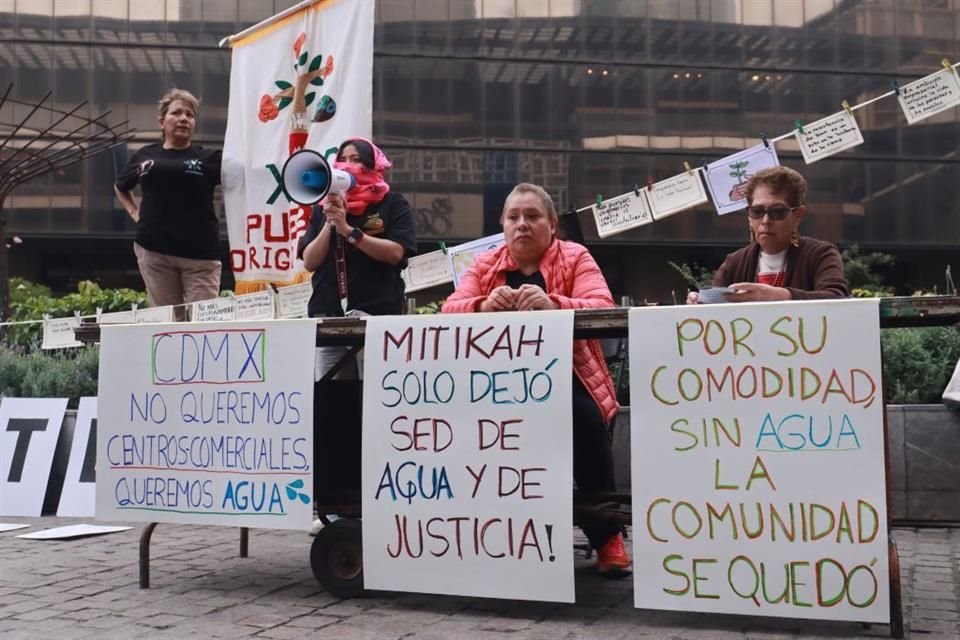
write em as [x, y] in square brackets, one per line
[215, 310]
[676, 194]
[59, 333]
[629, 211]
[758, 460]
[462, 255]
[254, 306]
[828, 136]
[292, 300]
[467, 455]
[427, 270]
[930, 95]
[727, 178]
[211, 424]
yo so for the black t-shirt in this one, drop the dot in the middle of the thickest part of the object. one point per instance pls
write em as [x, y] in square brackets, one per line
[176, 214]
[372, 286]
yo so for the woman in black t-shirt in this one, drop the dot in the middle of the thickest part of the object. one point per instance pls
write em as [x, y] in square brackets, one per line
[358, 245]
[178, 234]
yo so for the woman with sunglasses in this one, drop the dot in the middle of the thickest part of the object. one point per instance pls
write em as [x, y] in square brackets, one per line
[779, 263]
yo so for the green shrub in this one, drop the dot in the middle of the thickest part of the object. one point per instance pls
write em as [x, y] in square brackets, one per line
[30, 301]
[918, 363]
[68, 373]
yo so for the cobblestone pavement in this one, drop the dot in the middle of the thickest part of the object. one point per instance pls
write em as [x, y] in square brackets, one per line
[202, 589]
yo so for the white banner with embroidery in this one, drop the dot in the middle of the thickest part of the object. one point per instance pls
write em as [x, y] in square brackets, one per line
[305, 80]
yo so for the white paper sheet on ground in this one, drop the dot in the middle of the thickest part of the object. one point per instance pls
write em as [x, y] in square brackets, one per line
[627, 211]
[155, 314]
[929, 95]
[727, 177]
[828, 136]
[9, 526]
[679, 193]
[58, 333]
[255, 306]
[462, 255]
[427, 271]
[72, 531]
[292, 300]
[216, 310]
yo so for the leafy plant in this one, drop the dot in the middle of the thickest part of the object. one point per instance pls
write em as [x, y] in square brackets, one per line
[429, 308]
[71, 373]
[693, 274]
[918, 362]
[865, 272]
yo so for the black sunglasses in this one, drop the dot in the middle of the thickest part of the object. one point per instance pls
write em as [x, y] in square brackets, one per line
[775, 213]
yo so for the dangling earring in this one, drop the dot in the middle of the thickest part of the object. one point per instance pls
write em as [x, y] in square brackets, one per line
[751, 236]
[795, 238]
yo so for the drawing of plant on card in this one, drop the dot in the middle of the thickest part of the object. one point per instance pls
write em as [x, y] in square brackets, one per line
[738, 171]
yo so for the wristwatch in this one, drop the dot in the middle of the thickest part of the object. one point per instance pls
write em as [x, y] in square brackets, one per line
[355, 235]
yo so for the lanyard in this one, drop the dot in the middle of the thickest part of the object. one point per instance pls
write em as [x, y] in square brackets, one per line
[340, 262]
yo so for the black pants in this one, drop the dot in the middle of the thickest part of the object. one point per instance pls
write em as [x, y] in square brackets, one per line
[592, 458]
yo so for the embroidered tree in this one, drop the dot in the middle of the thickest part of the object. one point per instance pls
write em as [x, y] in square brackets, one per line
[44, 141]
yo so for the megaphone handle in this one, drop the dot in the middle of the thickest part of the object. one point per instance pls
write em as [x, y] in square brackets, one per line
[340, 264]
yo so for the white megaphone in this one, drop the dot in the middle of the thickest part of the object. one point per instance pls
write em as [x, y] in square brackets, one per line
[307, 178]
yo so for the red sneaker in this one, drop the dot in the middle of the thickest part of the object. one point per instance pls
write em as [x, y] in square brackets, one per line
[612, 558]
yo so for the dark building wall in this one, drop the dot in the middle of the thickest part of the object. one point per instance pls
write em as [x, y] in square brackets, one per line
[585, 97]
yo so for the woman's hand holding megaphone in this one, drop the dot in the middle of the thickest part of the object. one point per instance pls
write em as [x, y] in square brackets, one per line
[335, 209]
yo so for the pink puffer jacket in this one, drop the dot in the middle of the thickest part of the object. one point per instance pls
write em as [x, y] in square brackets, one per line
[574, 281]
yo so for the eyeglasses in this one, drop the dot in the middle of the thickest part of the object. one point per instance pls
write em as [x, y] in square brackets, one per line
[775, 213]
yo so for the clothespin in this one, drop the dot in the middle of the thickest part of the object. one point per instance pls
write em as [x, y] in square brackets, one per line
[599, 200]
[703, 163]
[274, 287]
[763, 138]
[99, 314]
[896, 87]
[636, 189]
[76, 314]
[946, 64]
[846, 107]
[443, 247]
[230, 294]
[649, 183]
[686, 165]
[799, 126]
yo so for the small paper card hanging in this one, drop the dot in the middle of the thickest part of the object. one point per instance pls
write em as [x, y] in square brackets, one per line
[427, 270]
[679, 193]
[616, 215]
[727, 178]
[254, 306]
[292, 300]
[828, 136]
[118, 317]
[58, 333]
[155, 314]
[929, 95]
[214, 310]
[462, 255]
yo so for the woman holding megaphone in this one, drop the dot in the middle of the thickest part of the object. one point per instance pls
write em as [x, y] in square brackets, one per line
[358, 243]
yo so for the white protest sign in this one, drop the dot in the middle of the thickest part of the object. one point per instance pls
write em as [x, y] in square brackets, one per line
[29, 428]
[467, 455]
[619, 214]
[215, 310]
[727, 178]
[828, 136]
[462, 255]
[78, 498]
[929, 95]
[154, 314]
[117, 317]
[255, 306]
[427, 270]
[58, 333]
[758, 459]
[292, 300]
[679, 193]
[211, 424]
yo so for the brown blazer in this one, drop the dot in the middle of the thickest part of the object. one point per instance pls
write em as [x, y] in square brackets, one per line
[814, 270]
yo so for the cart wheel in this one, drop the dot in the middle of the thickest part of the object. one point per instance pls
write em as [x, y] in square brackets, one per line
[336, 558]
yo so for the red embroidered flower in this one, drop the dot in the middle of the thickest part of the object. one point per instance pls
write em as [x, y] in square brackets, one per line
[268, 110]
[299, 44]
[327, 68]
